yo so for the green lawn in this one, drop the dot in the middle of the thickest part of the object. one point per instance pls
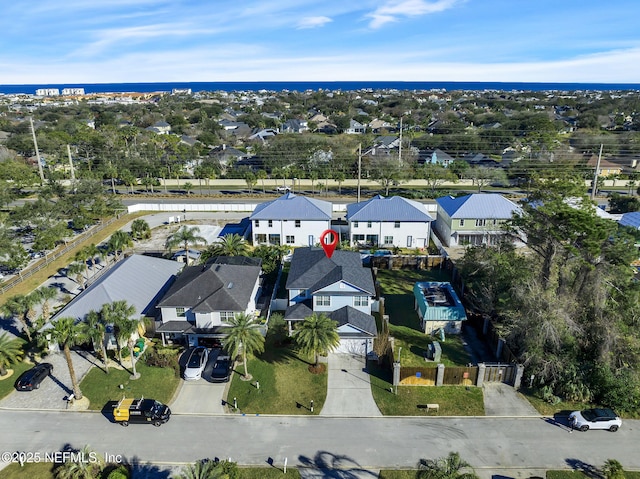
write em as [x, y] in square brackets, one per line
[453, 400]
[156, 383]
[6, 385]
[286, 385]
[404, 474]
[582, 475]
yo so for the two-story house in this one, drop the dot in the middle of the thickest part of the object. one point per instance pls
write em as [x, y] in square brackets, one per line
[473, 219]
[202, 299]
[290, 220]
[393, 221]
[339, 287]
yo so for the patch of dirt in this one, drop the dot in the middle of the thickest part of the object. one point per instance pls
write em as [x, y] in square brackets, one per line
[319, 369]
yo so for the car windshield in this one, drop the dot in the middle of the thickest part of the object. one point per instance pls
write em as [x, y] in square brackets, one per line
[589, 414]
[157, 408]
[194, 360]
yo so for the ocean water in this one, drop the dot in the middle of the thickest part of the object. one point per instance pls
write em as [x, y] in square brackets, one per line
[322, 85]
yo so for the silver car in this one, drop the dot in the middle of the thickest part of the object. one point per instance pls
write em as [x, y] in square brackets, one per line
[599, 418]
[196, 363]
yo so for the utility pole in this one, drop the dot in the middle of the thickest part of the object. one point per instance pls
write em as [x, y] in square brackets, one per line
[73, 173]
[359, 168]
[400, 147]
[594, 187]
[35, 144]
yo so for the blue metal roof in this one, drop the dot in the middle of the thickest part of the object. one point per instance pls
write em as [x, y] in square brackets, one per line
[478, 205]
[394, 208]
[631, 219]
[438, 302]
[292, 207]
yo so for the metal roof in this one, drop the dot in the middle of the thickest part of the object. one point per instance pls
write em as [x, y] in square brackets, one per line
[137, 279]
[478, 205]
[394, 208]
[631, 219]
[292, 207]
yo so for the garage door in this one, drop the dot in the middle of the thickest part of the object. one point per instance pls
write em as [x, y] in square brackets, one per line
[352, 346]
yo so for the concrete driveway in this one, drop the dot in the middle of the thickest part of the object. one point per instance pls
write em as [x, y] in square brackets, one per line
[503, 400]
[202, 396]
[349, 388]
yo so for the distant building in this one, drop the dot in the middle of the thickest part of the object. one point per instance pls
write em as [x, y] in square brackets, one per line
[47, 92]
[73, 91]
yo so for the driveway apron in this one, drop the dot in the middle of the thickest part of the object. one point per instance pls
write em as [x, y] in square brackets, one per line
[503, 400]
[348, 388]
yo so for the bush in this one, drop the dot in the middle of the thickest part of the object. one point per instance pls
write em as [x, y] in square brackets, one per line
[163, 358]
[121, 472]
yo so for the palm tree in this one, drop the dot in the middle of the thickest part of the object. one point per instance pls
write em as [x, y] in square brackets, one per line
[95, 328]
[317, 334]
[203, 469]
[75, 271]
[10, 352]
[92, 253]
[140, 229]
[243, 335]
[44, 295]
[87, 468]
[185, 236]
[119, 241]
[68, 334]
[449, 467]
[82, 256]
[19, 307]
[230, 245]
[120, 313]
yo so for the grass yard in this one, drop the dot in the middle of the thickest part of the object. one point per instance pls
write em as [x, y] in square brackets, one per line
[582, 475]
[404, 474]
[156, 383]
[40, 470]
[286, 385]
[453, 400]
[6, 384]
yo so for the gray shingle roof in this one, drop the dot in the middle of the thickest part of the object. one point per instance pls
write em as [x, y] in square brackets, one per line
[293, 207]
[312, 270]
[213, 287]
[478, 205]
[137, 279]
[356, 318]
[394, 208]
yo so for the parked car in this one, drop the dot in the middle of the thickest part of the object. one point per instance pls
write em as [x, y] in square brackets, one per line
[283, 189]
[141, 410]
[31, 379]
[599, 418]
[221, 371]
[196, 363]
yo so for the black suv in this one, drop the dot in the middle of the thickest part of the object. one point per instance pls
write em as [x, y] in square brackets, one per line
[31, 379]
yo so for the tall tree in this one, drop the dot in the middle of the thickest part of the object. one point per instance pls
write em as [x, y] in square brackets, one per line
[119, 313]
[44, 295]
[317, 334]
[185, 236]
[10, 352]
[229, 245]
[67, 334]
[95, 328]
[118, 242]
[20, 307]
[243, 336]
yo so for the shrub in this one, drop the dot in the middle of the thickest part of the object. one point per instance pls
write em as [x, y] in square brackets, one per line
[163, 358]
[121, 472]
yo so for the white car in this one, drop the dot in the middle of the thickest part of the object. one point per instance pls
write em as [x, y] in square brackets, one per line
[599, 418]
[196, 363]
[283, 189]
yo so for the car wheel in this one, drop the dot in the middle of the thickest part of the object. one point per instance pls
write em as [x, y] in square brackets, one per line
[124, 423]
[613, 428]
[157, 423]
[37, 386]
[584, 428]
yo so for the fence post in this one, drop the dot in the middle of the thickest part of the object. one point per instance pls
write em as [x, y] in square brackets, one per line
[481, 369]
[440, 375]
[517, 381]
[499, 348]
[396, 373]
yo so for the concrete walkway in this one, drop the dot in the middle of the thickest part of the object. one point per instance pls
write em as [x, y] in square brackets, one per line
[348, 388]
[503, 400]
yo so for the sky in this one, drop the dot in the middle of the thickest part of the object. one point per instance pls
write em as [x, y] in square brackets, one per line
[113, 41]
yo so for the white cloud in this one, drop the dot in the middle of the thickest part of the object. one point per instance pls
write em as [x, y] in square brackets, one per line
[394, 9]
[313, 22]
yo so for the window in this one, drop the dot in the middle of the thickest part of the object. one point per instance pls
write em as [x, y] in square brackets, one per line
[355, 224]
[297, 223]
[396, 224]
[361, 300]
[323, 300]
[270, 224]
[368, 224]
[495, 222]
[481, 222]
[461, 222]
[388, 240]
[291, 239]
[180, 313]
[225, 316]
[261, 238]
[358, 238]
[257, 223]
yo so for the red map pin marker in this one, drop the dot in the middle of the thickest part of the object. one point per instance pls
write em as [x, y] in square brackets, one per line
[329, 241]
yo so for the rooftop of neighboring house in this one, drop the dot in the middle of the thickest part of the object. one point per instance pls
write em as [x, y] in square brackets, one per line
[394, 208]
[312, 270]
[293, 207]
[478, 205]
[223, 284]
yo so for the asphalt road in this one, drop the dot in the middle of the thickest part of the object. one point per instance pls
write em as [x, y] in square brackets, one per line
[325, 442]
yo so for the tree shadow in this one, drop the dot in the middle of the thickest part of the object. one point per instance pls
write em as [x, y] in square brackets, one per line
[336, 466]
[9, 324]
[588, 470]
[282, 354]
[146, 470]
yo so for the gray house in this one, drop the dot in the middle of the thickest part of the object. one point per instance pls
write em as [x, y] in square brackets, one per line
[339, 287]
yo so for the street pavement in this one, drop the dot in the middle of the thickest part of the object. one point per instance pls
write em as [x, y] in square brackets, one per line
[348, 388]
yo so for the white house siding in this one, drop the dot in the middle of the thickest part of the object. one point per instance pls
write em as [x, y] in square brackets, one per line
[307, 234]
[408, 235]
